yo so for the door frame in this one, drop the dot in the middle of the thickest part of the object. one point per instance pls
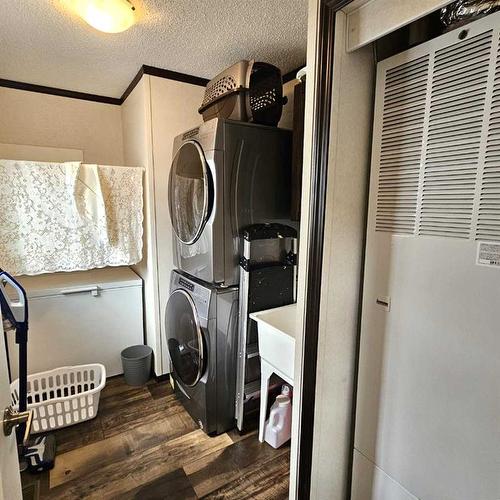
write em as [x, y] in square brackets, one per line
[317, 211]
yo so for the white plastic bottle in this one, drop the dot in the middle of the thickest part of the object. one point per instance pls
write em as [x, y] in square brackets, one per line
[279, 426]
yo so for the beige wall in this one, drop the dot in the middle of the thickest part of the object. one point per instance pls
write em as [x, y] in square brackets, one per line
[174, 110]
[138, 151]
[154, 113]
[45, 120]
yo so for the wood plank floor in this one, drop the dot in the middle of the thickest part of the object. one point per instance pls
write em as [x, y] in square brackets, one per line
[143, 445]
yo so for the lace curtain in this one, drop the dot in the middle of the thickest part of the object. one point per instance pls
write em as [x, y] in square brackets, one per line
[69, 216]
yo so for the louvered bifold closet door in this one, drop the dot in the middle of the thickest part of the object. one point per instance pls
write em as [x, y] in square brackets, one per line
[437, 151]
[401, 145]
[488, 224]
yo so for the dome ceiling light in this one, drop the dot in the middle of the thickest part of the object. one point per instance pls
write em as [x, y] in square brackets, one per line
[109, 16]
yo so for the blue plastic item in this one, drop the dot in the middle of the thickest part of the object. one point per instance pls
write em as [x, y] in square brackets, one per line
[15, 315]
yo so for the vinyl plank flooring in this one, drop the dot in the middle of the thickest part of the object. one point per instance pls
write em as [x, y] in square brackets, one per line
[76, 436]
[31, 492]
[86, 460]
[40, 483]
[139, 412]
[269, 482]
[116, 385]
[160, 390]
[237, 436]
[144, 445]
[224, 466]
[121, 476]
[114, 402]
[172, 486]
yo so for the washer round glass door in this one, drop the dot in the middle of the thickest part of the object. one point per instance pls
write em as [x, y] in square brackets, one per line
[184, 337]
[189, 192]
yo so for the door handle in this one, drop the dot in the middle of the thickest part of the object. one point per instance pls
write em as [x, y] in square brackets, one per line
[13, 418]
[94, 290]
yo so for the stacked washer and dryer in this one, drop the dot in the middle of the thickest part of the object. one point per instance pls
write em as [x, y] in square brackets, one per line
[232, 171]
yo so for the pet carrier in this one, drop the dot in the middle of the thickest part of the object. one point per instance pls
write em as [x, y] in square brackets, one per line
[247, 91]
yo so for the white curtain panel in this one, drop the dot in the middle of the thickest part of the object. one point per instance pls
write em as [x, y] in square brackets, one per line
[69, 216]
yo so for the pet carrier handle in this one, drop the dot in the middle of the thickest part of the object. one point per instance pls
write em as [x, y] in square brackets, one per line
[16, 306]
[268, 232]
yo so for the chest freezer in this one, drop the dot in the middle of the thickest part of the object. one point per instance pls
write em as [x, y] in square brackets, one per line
[81, 317]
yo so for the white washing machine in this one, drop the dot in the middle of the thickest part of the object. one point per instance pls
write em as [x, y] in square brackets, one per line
[225, 176]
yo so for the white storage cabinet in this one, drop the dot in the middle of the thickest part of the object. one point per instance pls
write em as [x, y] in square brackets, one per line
[81, 318]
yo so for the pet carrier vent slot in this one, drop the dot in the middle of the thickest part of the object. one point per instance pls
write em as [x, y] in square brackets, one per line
[223, 86]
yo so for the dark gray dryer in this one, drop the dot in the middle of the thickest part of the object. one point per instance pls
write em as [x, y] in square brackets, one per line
[201, 328]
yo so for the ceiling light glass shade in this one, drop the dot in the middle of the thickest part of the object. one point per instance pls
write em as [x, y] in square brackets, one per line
[110, 16]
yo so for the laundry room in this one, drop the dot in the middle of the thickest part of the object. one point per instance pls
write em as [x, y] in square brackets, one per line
[144, 191]
[249, 249]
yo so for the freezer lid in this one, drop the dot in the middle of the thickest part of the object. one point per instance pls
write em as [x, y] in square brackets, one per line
[108, 278]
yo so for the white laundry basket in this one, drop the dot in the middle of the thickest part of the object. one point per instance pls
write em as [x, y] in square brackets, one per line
[64, 396]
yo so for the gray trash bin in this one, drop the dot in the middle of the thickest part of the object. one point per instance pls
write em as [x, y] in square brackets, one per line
[136, 362]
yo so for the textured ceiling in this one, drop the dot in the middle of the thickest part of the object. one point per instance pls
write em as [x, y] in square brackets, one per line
[42, 43]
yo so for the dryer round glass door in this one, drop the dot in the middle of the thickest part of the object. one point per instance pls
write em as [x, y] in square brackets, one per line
[184, 337]
[190, 192]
